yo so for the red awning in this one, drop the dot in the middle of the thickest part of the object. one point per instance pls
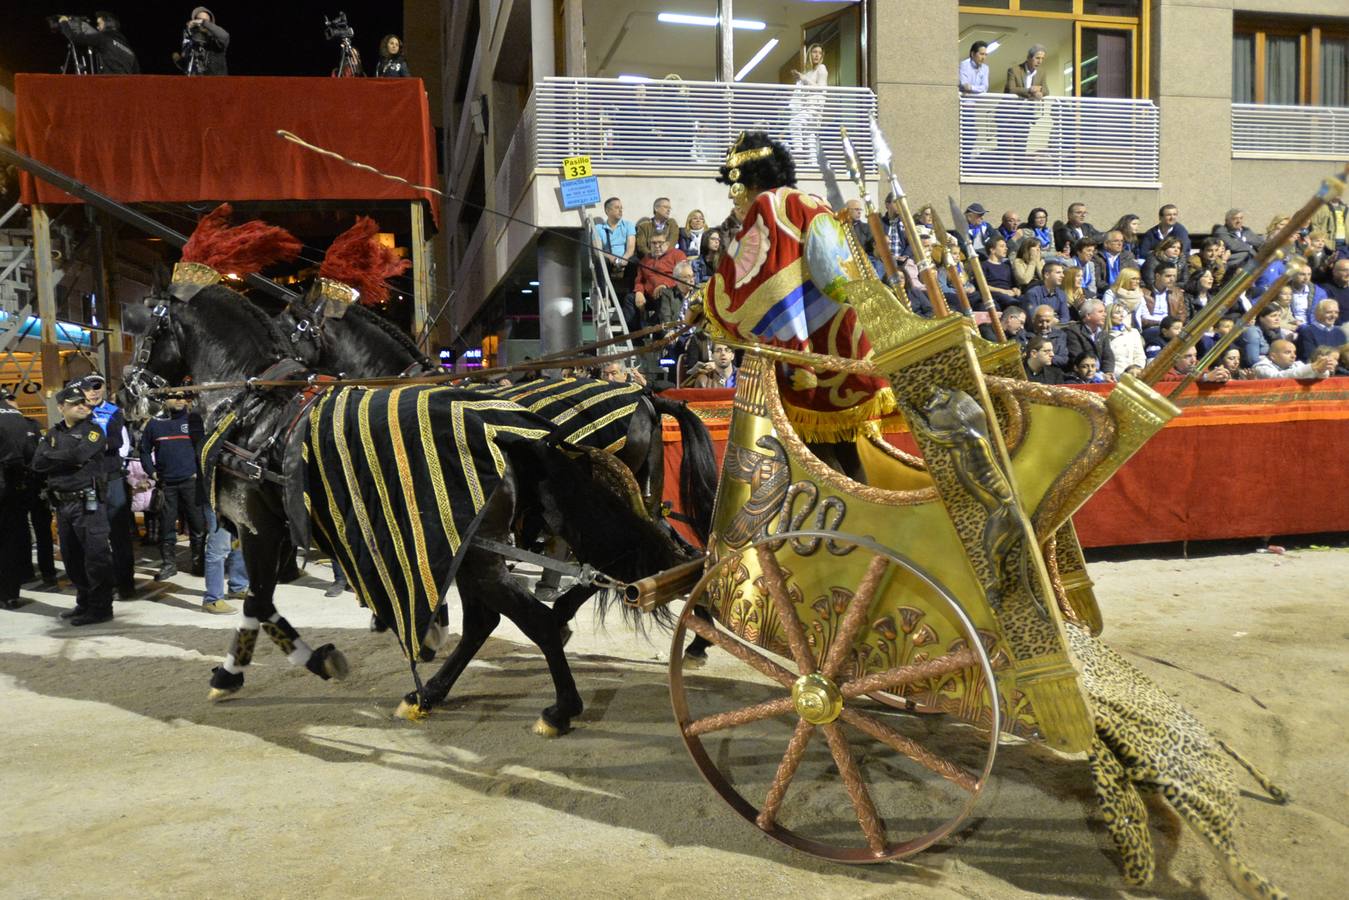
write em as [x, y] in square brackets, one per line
[156, 138]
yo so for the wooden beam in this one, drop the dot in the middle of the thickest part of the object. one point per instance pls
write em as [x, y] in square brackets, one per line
[421, 275]
[46, 305]
[573, 27]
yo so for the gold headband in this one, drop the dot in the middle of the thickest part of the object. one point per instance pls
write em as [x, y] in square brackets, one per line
[735, 160]
[194, 273]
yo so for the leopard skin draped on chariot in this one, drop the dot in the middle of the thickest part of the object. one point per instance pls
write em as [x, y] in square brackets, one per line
[948, 583]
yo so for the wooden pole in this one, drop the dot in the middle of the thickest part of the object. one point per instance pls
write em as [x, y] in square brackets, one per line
[421, 275]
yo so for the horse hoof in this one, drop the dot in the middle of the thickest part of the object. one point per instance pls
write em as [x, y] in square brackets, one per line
[413, 711]
[692, 661]
[566, 634]
[224, 684]
[336, 665]
[543, 729]
[215, 695]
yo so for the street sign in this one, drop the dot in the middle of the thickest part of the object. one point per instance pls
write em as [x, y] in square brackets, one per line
[575, 167]
[579, 192]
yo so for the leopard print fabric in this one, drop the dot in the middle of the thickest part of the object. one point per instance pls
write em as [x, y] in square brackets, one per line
[1147, 741]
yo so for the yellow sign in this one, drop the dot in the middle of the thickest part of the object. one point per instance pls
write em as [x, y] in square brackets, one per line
[576, 167]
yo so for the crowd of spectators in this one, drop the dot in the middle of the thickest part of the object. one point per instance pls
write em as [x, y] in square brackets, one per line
[1089, 304]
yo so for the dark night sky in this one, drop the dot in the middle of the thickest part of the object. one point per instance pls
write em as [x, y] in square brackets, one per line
[281, 37]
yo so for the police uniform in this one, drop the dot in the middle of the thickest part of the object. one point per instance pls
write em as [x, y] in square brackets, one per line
[118, 505]
[16, 451]
[71, 456]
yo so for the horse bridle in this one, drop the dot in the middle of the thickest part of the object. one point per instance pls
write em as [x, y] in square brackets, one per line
[137, 380]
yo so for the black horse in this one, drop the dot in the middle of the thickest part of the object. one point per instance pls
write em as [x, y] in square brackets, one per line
[219, 336]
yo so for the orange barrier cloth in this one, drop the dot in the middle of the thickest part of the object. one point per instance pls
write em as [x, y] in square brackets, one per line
[1245, 459]
[165, 138]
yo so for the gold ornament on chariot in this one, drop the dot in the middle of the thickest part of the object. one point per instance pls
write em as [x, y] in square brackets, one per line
[818, 700]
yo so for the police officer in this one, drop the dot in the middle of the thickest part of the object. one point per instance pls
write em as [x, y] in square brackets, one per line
[169, 454]
[18, 439]
[118, 504]
[112, 54]
[71, 455]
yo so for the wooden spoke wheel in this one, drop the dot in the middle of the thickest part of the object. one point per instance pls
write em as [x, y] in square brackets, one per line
[799, 747]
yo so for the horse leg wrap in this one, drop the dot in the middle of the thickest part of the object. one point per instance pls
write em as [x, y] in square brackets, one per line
[284, 635]
[241, 648]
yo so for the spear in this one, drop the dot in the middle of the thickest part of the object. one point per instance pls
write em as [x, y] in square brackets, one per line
[926, 272]
[878, 235]
[979, 280]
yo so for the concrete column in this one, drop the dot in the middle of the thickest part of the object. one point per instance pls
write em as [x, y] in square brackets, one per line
[572, 24]
[542, 39]
[559, 292]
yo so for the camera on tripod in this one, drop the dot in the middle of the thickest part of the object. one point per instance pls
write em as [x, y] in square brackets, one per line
[54, 22]
[337, 28]
[197, 33]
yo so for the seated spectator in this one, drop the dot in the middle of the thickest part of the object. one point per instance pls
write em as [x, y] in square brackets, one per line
[1074, 229]
[1028, 265]
[1332, 219]
[1164, 298]
[1125, 341]
[1039, 361]
[1014, 325]
[1305, 296]
[1187, 361]
[1011, 231]
[1281, 362]
[1212, 255]
[1342, 368]
[615, 371]
[973, 74]
[893, 220]
[1045, 324]
[672, 303]
[998, 273]
[1086, 370]
[1337, 288]
[1268, 328]
[658, 224]
[1133, 370]
[691, 356]
[857, 218]
[1155, 337]
[1318, 255]
[979, 231]
[1113, 257]
[1276, 225]
[656, 272]
[1168, 225]
[1049, 292]
[1128, 227]
[691, 241]
[720, 371]
[1198, 290]
[709, 255]
[1219, 330]
[1321, 331]
[1084, 260]
[1125, 291]
[1242, 243]
[1037, 223]
[1091, 336]
[1231, 361]
[1168, 252]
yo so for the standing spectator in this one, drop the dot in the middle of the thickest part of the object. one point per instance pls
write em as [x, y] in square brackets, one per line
[1037, 223]
[1321, 331]
[617, 239]
[392, 63]
[1039, 361]
[18, 440]
[71, 456]
[169, 454]
[1014, 325]
[807, 103]
[1029, 265]
[657, 272]
[973, 74]
[1305, 296]
[1167, 252]
[1241, 242]
[1010, 229]
[1068, 233]
[659, 223]
[1049, 292]
[691, 241]
[1045, 324]
[204, 45]
[1128, 227]
[1113, 258]
[1126, 293]
[1281, 362]
[223, 560]
[1091, 336]
[979, 231]
[998, 274]
[1027, 79]
[112, 53]
[893, 220]
[116, 498]
[1125, 341]
[709, 255]
[720, 372]
[1332, 219]
[1168, 225]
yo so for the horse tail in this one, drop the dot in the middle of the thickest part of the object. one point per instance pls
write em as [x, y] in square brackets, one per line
[697, 467]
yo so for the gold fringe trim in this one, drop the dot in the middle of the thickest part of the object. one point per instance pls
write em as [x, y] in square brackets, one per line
[833, 426]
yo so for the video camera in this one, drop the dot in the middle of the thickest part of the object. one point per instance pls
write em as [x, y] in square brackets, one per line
[54, 22]
[337, 28]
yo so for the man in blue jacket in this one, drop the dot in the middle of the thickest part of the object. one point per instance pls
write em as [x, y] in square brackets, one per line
[169, 455]
[1168, 225]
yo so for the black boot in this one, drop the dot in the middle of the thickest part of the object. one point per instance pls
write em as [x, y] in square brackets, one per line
[170, 566]
[198, 545]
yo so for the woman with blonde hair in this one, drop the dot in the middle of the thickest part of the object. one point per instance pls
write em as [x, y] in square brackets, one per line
[807, 103]
[1125, 340]
[691, 241]
[1126, 292]
[1029, 265]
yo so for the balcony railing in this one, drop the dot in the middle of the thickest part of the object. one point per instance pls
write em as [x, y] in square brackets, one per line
[687, 125]
[1059, 140]
[1263, 131]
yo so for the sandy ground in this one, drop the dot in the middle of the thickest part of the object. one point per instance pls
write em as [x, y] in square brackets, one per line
[119, 779]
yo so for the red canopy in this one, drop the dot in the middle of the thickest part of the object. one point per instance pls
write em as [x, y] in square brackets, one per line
[156, 138]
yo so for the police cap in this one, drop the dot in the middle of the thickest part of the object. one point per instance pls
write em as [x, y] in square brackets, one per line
[71, 393]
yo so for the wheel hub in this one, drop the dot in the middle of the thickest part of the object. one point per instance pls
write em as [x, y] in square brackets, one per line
[818, 700]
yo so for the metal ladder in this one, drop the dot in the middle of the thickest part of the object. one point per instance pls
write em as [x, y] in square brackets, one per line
[609, 321]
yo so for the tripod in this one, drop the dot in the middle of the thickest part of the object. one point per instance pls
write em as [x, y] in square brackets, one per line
[348, 61]
[196, 59]
[80, 62]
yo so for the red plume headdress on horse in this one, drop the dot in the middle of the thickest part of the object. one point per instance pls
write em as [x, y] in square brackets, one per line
[357, 267]
[217, 248]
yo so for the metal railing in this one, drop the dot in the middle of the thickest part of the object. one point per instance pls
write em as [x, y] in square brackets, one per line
[687, 125]
[1059, 140]
[1266, 131]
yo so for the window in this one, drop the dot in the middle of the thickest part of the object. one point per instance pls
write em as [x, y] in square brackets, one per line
[1287, 63]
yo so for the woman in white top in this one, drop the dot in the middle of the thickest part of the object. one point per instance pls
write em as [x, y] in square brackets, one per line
[1126, 292]
[1125, 341]
[807, 104]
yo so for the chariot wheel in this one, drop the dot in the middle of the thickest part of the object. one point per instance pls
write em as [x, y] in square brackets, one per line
[857, 763]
